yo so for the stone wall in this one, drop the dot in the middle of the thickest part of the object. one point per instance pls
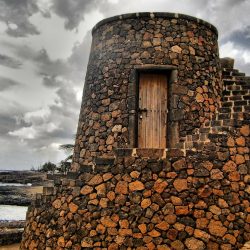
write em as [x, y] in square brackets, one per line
[182, 46]
[151, 199]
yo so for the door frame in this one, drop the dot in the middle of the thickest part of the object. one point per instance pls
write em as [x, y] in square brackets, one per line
[133, 101]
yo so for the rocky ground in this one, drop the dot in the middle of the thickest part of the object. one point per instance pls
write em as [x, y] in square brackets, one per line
[10, 247]
[23, 177]
[20, 195]
[11, 231]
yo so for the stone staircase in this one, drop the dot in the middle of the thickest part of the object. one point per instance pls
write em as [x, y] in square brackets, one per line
[233, 112]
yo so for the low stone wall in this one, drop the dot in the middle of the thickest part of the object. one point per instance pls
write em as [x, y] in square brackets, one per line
[151, 199]
[11, 232]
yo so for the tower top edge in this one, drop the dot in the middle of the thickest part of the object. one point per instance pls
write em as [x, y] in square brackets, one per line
[153, 15]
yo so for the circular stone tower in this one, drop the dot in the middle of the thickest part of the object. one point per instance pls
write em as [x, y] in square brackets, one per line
[156, 165]
[130, 56]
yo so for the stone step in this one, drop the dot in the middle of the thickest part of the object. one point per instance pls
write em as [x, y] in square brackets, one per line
[235, 115]
[230, 122]
[239, 82]
[242, 78]
[232, 74]
[236, 92]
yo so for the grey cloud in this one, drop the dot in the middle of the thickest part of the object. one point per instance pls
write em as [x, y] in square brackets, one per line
[50, 81]
[6, 83]
[244, 67]
[7, 123]
[73, 11]
[17, 12]
[240, 37]
[80, 52]
[9, 62]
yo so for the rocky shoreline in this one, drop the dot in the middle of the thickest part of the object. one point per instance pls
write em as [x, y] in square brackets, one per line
[11, 232]
[20, 195]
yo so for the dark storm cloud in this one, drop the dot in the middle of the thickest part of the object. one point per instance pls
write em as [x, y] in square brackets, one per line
[7, 123]
[17, 13]
[7, 83]
[241, 38]
[73, 11]
[9, 62]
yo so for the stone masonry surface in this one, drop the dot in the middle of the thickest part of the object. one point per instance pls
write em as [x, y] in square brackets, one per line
[119, 49]
[193, 196]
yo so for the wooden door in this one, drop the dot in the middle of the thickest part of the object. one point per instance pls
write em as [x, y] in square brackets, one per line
[152, 127]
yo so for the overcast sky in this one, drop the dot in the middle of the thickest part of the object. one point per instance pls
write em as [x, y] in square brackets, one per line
[44, 49]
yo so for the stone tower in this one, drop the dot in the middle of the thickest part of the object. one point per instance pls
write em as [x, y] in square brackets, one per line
[127, 49]
[161, 158]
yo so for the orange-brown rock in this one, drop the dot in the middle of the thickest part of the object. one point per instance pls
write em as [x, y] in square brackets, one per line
[181, 210]
[124, 223]
[100, 229]
[240, 141]
[121, 187]
[57, 203]
[136, 186]
[113, 246]
[162, 226]
[101, 189]
[199, 98]
[239, 159]
[73, 207]
[179, 226]
[103, 202]
[176, 200]
[245, 130]
[230, 142]
[229, 166]
[135, 174]
[143, 228]
[108, 222]
[194, 244]
[61, 241]
[97, 179]
[201, 235]
[145, 203]
[160, 186]
[215, 210]
[234, 176]
[154, 233]
[222, 203]
[202, 223]
[216, 228]
[216, 174]
[201, 204]
[170, 218]
[180, 184]
[87, 243]
[125, 232]
[230, 238]
[86, 190]
[176, 49]
[107, 176]
[111, 195]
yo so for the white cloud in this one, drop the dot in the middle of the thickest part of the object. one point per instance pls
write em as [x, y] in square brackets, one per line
[24, 133]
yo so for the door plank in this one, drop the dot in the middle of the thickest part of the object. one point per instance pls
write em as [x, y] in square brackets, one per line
[152, 97]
